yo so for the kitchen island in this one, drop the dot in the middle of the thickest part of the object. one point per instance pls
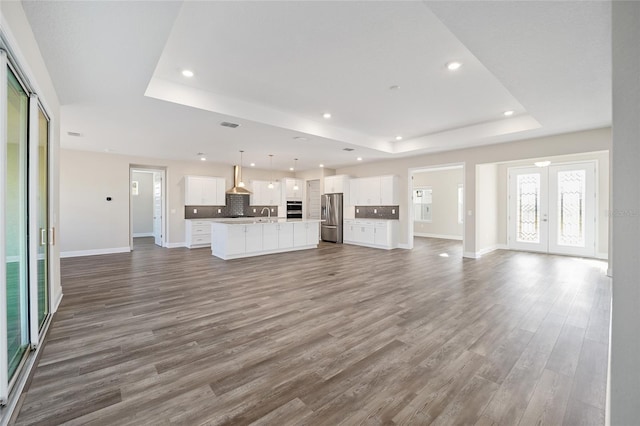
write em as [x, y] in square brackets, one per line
[236, 238]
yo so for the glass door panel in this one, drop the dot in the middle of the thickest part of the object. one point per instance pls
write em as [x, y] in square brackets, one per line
[43, 217]
[16, 223]
[527, 209]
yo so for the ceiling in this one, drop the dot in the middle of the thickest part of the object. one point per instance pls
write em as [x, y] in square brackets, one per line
[275, 68]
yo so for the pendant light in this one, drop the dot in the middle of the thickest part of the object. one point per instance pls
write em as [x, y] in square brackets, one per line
[271, 167]
[295, 168]
[241, 183]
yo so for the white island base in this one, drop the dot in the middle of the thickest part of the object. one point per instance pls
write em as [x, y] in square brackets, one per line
[248, 238]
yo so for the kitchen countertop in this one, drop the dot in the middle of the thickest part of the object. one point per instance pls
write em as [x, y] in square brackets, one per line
[257, 220]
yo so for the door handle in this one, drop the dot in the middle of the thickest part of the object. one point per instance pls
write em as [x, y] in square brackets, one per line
[52, 236]
[43, 236]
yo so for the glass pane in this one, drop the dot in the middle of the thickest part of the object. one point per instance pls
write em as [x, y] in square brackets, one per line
[43, 217]
[571, 206]
[16, 223]
[528, 208]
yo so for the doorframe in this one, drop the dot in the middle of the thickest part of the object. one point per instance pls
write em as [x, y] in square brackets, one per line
[596, 223]
[163, 192]
[410, 215]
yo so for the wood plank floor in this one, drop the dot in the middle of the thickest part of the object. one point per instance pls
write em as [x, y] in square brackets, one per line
[339, 335]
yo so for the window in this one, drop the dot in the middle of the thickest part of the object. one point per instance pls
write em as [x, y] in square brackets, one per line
[460, 203]
[422, 198]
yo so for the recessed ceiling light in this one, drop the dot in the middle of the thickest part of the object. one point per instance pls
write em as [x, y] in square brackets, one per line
[359, 158]
[452, 66]
[300, 138]
[326, 115]
[542, 163]
[187, 73]
[508, 113]
[252, 164]
[321, 165]
[394, 87]
[398, 138]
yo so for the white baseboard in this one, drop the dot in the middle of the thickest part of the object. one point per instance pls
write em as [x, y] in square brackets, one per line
[404, 246]
[56, 303]
[602, 256]
[175, 245]
[470, 255]
[142, 234]
[441, 236]
[94, 252]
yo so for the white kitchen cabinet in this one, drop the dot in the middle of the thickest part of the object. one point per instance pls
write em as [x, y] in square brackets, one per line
[375, 191]
[270, 237]
[204, 191]
[305, 233]
[285, 235]
[262, 195]
[336, 184]
[253, 238]
[289, 186]
[197, 233]
[235, 240]
[377, 233]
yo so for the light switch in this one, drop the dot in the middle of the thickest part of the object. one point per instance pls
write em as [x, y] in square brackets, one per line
[195, 210]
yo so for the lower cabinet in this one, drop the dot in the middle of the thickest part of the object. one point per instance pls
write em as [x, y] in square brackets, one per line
[243, 240]
[371, 233]
[197, 233]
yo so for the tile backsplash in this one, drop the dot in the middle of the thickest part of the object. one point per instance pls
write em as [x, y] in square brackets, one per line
[377, 212]
[237, 205]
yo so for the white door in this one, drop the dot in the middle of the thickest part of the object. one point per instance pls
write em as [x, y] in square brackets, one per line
[157, 208]
[313, 199]
[552, 209]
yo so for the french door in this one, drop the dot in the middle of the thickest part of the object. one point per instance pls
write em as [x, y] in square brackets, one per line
[552, 209]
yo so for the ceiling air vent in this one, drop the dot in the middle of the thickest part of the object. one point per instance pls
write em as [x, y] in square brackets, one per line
[348, 149]
[227, 124]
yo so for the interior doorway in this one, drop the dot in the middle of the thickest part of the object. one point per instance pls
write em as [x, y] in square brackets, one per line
[147, 204]
[552, 209]
[436, 202]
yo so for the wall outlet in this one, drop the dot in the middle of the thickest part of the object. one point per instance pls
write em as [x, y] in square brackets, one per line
[273, 210]
[357, 210]
[195, 210]
[254, 210]
[219, 210]
[375, 211]
[393, 211]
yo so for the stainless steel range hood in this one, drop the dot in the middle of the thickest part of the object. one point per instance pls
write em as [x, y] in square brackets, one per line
[236, 180]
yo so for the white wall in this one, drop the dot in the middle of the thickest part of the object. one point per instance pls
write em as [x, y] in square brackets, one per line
[487, 207]
[444, 206]
[625, 312]
[142, 204]
[22, 42]
[564, 144]
[90, 224]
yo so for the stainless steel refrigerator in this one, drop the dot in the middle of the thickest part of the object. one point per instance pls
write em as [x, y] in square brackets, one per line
[331, 214]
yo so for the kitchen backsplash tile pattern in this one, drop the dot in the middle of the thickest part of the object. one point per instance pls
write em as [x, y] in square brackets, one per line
[377, 212]
[237, 205]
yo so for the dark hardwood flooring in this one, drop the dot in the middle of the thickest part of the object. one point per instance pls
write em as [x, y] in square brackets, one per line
[339, 335]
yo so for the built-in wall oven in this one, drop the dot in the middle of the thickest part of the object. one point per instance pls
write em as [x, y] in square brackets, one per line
[294, 209]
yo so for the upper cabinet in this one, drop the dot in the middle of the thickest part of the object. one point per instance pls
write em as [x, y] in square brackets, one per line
[262, 195]
[336, 184]
[204, 191]
[292, 189]
[375, 191]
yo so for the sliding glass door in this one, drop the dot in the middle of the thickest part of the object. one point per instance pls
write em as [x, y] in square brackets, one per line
[16, 261]
[42, 206]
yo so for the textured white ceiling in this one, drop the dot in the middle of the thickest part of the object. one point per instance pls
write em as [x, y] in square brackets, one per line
[275, 67]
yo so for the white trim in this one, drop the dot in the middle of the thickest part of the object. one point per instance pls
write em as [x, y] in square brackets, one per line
[261, 253]
[142, 234]
[490, 249]
[441, 236]
[470, 255]
[404, 246]
[175, 245]
[4, 357]
[95, 252]
[602, 256]
[610, 272]
[56, 304]
[34, 235]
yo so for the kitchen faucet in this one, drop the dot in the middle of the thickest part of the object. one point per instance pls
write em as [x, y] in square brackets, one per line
[268, 211]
